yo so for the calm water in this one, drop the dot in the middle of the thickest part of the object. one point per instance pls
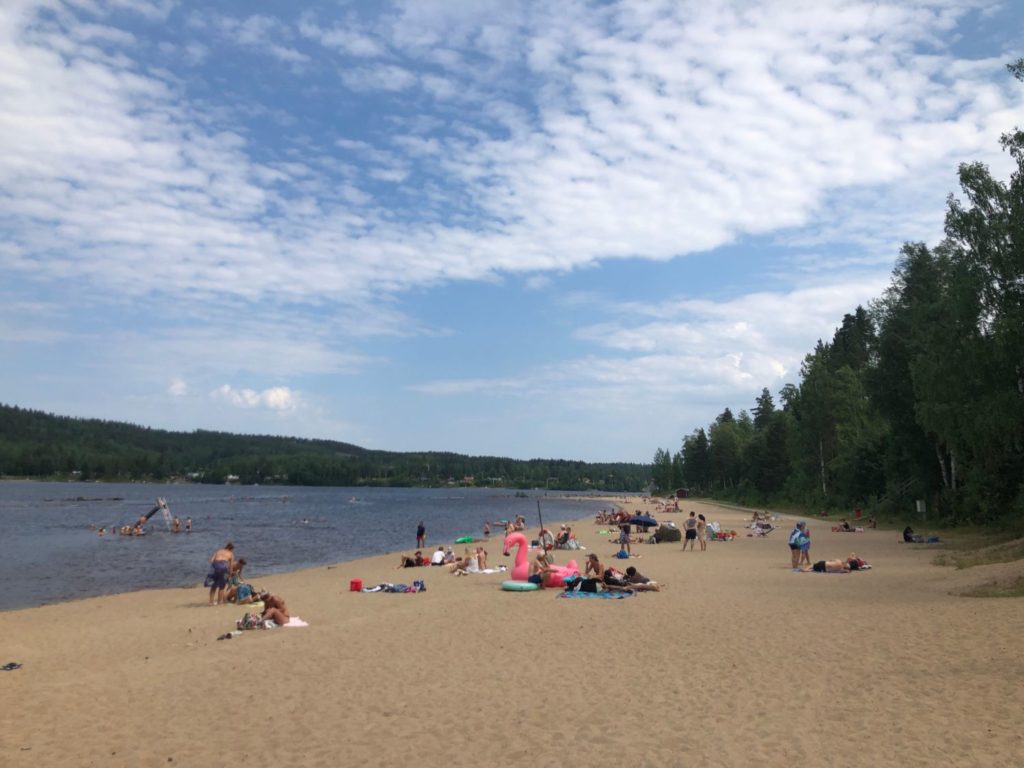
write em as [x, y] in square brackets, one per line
[48, 552]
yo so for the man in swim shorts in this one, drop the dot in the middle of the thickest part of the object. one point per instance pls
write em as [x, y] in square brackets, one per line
[690, 527]
[829, 566]
[220, 571]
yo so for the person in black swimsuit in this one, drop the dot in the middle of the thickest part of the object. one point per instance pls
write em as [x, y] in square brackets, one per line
[690, 527]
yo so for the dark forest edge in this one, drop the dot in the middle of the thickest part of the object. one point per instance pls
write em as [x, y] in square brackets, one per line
[919, 397]
[38, 445]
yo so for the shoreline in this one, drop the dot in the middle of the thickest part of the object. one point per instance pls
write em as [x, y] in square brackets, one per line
[506, 675]
[197, 584]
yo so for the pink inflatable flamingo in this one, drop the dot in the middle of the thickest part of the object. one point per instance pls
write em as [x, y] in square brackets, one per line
[557, 574]
[521, 570]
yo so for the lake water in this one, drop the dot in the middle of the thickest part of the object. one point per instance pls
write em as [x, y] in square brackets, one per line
[48, 552]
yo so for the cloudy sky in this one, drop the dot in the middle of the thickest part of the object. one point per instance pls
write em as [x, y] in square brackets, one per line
[553, 229]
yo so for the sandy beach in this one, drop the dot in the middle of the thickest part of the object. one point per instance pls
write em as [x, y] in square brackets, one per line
[737, 662]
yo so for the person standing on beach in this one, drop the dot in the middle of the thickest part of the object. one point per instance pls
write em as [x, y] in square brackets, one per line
[220, 570]
[805, 547]
[487, 530]
[702, 532]
[795, 540]
[690, 527]
[421, 535]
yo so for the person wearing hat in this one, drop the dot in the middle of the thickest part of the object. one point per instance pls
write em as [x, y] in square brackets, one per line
[796, 540]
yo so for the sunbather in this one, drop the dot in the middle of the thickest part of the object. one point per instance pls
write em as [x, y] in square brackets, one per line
[274, 609]
[912, 538]
[411, 562]
[829, 566]
[639, 582]
[856, 563]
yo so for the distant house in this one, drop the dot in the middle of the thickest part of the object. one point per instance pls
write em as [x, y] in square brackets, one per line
[682, 493]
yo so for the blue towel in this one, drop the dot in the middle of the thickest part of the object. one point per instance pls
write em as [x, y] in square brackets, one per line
[606, 595]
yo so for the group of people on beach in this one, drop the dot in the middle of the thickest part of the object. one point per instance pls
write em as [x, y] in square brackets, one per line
[227, 585]
[800, 551]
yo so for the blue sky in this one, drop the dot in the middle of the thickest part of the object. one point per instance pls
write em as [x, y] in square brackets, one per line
[570, 230]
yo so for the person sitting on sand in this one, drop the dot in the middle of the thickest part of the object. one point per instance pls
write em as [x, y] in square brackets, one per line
[411, 562]
[539, 569]
[594, 566]
[829, 566]
[844, 526]
[438, 557]
[274, 609]
[639, 582]
[468, 563]
[912, 538]
[235, 581]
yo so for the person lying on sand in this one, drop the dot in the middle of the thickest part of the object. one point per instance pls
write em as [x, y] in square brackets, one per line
[640, 583]
[856, 563]
[829, 566]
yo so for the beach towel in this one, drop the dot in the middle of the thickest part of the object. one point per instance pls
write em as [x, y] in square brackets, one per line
[604, 595]
[401, 588]
[295, 621]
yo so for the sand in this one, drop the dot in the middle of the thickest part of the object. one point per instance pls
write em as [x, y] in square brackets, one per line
[738, 662]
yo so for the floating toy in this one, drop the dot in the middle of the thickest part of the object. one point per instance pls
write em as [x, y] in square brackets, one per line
[519, 586]
[521, 569]
[557, 574]
[464, 540]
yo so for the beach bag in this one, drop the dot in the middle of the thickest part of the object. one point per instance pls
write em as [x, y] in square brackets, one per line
[419, 586]
[209, 580]
[622, 554]
[249, 621]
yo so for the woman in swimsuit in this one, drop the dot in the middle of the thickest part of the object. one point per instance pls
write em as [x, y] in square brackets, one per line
[275, 610]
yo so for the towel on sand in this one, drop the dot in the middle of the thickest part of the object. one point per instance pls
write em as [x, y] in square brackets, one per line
[295, 621]
[605, 595]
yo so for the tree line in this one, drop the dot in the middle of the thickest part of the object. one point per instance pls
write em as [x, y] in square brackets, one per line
[918, 396]
[39, 445]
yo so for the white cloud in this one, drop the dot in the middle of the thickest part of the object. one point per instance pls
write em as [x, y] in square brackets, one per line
[274, 398]
[643, 139]
[386, 77]
[178, 387]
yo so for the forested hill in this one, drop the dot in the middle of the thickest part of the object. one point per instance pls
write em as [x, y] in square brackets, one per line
[919, 398]
[41, 445]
